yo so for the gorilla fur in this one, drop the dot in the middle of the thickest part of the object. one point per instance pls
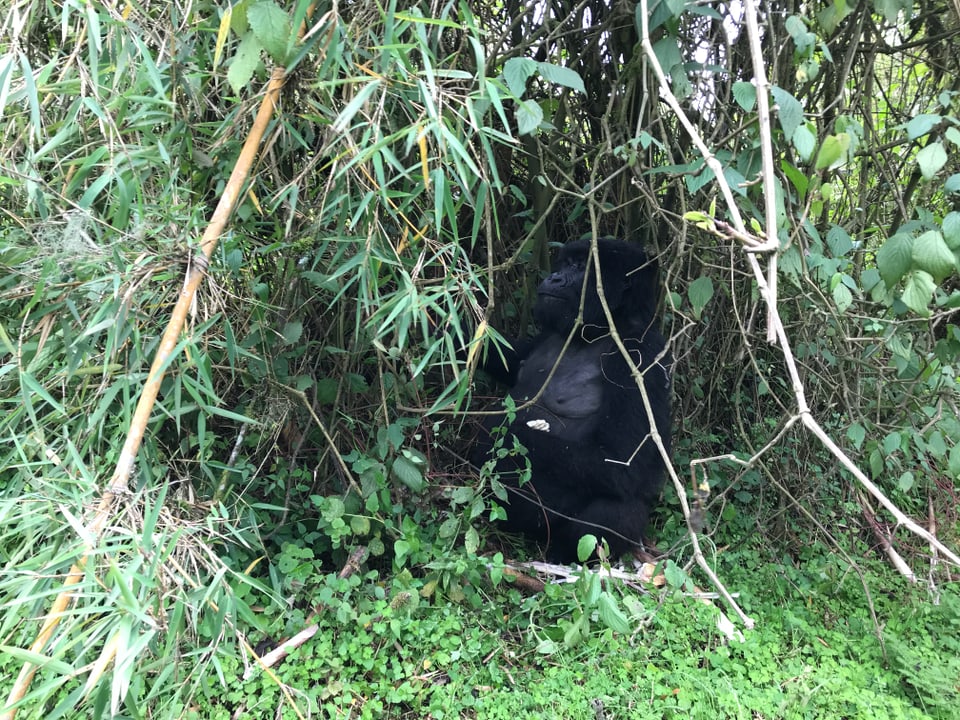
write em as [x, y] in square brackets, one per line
[594, 467]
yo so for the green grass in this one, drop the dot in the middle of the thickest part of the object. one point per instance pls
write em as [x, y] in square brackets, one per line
[813, 654]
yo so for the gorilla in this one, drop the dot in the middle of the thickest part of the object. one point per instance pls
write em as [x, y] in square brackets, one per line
[593, 466]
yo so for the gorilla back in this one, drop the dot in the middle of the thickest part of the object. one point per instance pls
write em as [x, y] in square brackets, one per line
[594, 466]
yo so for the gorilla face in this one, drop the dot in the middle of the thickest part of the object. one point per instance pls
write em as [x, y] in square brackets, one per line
[593, 466]
[629, 286]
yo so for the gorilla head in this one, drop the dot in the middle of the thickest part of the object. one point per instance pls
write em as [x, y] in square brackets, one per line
[629, 286]
[594, 468]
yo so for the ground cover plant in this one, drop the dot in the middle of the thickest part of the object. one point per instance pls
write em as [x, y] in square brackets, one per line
[409, 174]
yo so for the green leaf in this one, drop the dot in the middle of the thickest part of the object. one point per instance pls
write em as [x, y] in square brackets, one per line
[244, 63]
[856, 434]
[921, 125]
[936, 445]
[833, 152]
[796, 177]
[804, 141]
[586, 546]
[674, 575]
[559, 75]
[931, 159]
[951, 230]
[890, 9]
[699, 292]
[529, 116]
[838, 241]
[660, 11]
[292, 332]
[408, 473]
[332, 508]
[353, 107]
[892, 443]
[471, 540]
[745, 94]
[954, 462]
[932, 254]
[906, 481]
[789, 110]
[271, 25]
[448, 528]
[917, 292]
[516, 72]
[612, 616]
[668, 53]
[842, 297]
[952, 185]
[802, 38]
[831, 16]
[360, 525]
[894, 258]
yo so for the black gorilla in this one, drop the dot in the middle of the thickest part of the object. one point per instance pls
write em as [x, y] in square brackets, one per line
[594, 467]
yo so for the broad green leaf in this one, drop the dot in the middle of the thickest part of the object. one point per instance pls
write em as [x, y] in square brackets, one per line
[576, 632]
[699, 292]
[936, 445]
[917, 292]
[803, 39]
[612, 616]
[952, 185]
[799, 181]
[842, 297]
[667, 53]
[448, 528]
[660, 11]
[833, 151]
[471, 540]
[238, 17]
[894, 258]
[832, 15]
[892, 443]
[516, 72]
[921, 125]
[360, 525]
[804, 141]
[586, 546]
[951, 230]
[529, 116]
[954, 462]
[327, 389]
[745, 94]
[890, 9]
[559, 75]
[292, 332]
[332, 508]
[905, 483]
[856, 434]
[271, 25]
[674, 575]
[244, 63]
[932, 254]
[953, 135]
[408, 473]
[789, 110]
[931, 159]
[838, 241]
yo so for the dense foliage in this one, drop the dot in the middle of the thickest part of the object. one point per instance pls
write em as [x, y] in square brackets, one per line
[302, 465]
